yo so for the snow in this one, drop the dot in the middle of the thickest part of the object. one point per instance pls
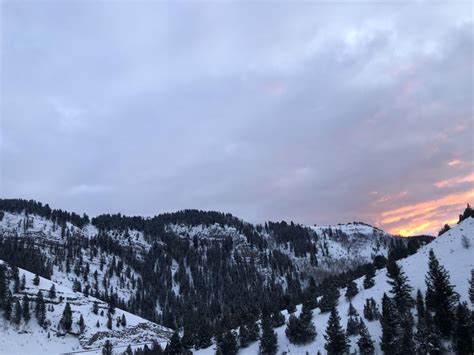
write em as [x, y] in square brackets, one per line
[448, 249]
[30, 338]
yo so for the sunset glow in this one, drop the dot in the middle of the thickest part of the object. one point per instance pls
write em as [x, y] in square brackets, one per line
[427, 216]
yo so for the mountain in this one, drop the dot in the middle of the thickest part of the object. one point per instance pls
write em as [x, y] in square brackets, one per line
[191, 269]
[31, 338]
[454, 251]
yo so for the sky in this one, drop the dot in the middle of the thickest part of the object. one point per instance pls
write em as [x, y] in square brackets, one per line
[316, 112]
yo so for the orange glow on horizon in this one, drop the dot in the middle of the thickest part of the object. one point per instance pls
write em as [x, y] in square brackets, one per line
[425, 217]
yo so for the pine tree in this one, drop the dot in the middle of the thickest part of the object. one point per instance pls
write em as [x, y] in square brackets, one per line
[371, 311]
[7, 310]
[174, 346]
[351, 291]
[40, 308]
[268, 341]
[17, 312]
[391, 329]
[408, 342]
[3, 286]
[330, 299]
[471, 287]
[311, 294]
[66, 320]
[26, 308]
[369, 281]
[336, 340]
[109, 320]
[463, 336]
[52, 292]
[82, 324]
[23, 282]
[243, 336]
[420, 306]
[400, 290]
[107, 349]
[254, 330]
[440, 295]
[293, 329]
[204, 337]
[36, 280]
[123, 321]
[352, 321]
[278, 319]
[428, 339]
[365, 342]
[95, 307]
[229, 343]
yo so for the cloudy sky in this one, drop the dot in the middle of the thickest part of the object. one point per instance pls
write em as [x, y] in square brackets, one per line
[316, 112]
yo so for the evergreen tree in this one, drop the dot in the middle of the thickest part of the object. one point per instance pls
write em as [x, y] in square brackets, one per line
[243, 336]
[174, 346]
[23, 282]
[82, 324]
[352, 321]
[351, 291]
[408, 342]
[391, 328]
[428, 339]
[278, 319]
[420, 306]
[3, 286]
[52, 292]
[123, 321]
[204, 337]
[293, 329]
[229, 343]
[371, 311]
[336, 340]
[365, 342]
[40, 308]
[107, 349]
[268, 341]
[26, 308]
[400, 290]
[330, 299]
[66, 320]
[254, 330]
[95, 307]
[463, 332]
[109, 320]
[36, 280]
[17, 312]
[311, 294]
[7, 310]
[369, 281]
[440, 295]
[471, 287]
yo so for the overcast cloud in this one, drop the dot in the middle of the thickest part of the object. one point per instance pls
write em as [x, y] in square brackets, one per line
[312, 112]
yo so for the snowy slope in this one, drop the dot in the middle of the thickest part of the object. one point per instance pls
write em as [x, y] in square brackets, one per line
[448, 249]
[30, 338]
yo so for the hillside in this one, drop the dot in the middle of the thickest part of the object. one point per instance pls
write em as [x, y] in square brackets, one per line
[452, 254]
[31, 338]
[189, 269]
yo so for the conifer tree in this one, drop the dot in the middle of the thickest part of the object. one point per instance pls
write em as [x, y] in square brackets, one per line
[352, 321]
[243, 336]
[420, 306]
[440, 295]
[400, 290]
[66, 320]
[204, 337]
[463, 332]
[174, 346]
[471, 287]
[330, 299]
[26, 308]
[52, 292]
[408, 342]
[17, 312]
[229, 343]
[336, 340]
[109, 320]
[351, 291]
[23, 282]
[391, 328]
[365, 342]
[36, 280]
[40, 308]
[268, 341]
[427, 337]
[278, 319]
[369, 281]
[107, 349]
[7, 310]
[3, 286]
[123, 321]
[371, 311]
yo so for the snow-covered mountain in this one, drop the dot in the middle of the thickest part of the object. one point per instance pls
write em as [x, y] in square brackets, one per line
[454, 250]
[31, 338]
[189, 269]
